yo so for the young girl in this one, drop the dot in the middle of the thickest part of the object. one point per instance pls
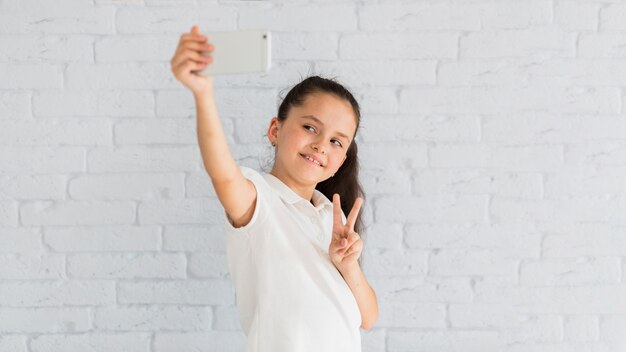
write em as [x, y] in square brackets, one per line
[294, 263]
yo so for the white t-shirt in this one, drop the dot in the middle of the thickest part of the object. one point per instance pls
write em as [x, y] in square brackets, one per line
[290, 296]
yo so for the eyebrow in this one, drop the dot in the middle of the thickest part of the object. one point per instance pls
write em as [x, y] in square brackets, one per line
[311, 117]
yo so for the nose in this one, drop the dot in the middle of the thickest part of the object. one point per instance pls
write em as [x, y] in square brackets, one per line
[316, 146]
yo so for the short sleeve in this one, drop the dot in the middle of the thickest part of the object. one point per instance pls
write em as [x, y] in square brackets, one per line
[259, 210]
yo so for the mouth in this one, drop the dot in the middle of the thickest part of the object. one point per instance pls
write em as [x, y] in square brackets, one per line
[310, 159]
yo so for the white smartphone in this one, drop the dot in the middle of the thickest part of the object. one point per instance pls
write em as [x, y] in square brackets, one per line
[235, 52]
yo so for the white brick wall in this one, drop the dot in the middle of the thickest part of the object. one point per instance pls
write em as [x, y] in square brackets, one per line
[493, 151]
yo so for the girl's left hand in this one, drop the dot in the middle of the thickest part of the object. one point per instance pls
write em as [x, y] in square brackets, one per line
[346, 245]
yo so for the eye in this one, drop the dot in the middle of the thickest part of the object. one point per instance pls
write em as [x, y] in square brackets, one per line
[306, 127]
[338, 143]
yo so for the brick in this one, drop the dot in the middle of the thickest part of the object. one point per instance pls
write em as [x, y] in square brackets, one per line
[212, 292]
[85, 104]
[173, 19]
[9, 215]
[32, 266]
[551, 41]
[381, 73]
[54, 133]
[44, 320]
[547, 128]
[37, 18]
[128, 342]
[395, 46]
[127, 186]
[403, 262]
[429, 209]
[427, 128]
[15, 105]
[337, 17]
[119, 76]
[127, 266]
[102, 238]
[582, 328]
[144, 159]
[527, 158]
[510, 240]
[376, 155]
[585, 181]
[77, 213]
[14, 343]
[41, 160]
[55, 293]
[611, 209]
[611, 17]
[208, 265]
[481, 72]
[186, 238]
[135, 48]
[565, 272]
[577, 16]
[198, 184]
[602, 45]
[581, 72]
[152, 318]
[602, 152]
[511, 14]
[583, 239]
[411, 289]
[289, 45]
[503, 100]
[422, 316]
[376, 101]
[385, 182]
[49, 48]
[160, 131]
[599, 299]
[20, 240]
[195, 341]
[30, 76]
[420, 15]
[31, 187]
[226, 318]
[450, 340]
[512, 210]
[478, 181]
[187, 211]
[474, 262]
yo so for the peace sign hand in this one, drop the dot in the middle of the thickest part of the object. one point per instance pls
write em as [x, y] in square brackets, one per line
[346, 245]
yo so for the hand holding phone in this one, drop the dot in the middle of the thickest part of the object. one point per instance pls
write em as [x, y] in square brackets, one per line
[188, 58]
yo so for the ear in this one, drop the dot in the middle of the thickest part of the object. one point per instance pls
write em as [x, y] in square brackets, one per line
[272, 131]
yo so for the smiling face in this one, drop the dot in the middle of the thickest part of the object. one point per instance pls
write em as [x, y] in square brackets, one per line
[311, 144]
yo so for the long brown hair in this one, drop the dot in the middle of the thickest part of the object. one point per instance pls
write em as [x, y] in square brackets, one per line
[346, 179]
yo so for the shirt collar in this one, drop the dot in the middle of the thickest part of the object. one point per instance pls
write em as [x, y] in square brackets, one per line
[291, 197]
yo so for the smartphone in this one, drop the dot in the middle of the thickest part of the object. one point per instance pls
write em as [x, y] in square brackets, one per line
[234, 52]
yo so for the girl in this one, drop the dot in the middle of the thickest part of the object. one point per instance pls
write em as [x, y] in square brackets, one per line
[294, 263]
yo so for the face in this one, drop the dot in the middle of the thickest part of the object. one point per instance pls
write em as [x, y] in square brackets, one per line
[311, 144]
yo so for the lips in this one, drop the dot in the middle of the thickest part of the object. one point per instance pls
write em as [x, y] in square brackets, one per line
[309, 157]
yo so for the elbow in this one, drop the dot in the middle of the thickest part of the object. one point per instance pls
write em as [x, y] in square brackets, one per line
[367, 324]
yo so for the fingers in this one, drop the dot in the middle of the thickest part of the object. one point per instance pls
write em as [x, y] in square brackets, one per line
[337, 220]
[189, 55]
[351, 220]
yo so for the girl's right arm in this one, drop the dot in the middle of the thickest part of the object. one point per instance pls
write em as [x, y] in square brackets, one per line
[236, 193]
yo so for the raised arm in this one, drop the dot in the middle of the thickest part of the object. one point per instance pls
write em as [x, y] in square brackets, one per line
[236, 194]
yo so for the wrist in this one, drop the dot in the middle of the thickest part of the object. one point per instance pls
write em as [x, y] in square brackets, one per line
[203, 94]
[350, 270]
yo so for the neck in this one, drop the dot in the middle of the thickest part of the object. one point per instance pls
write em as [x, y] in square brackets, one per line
[304, 191]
